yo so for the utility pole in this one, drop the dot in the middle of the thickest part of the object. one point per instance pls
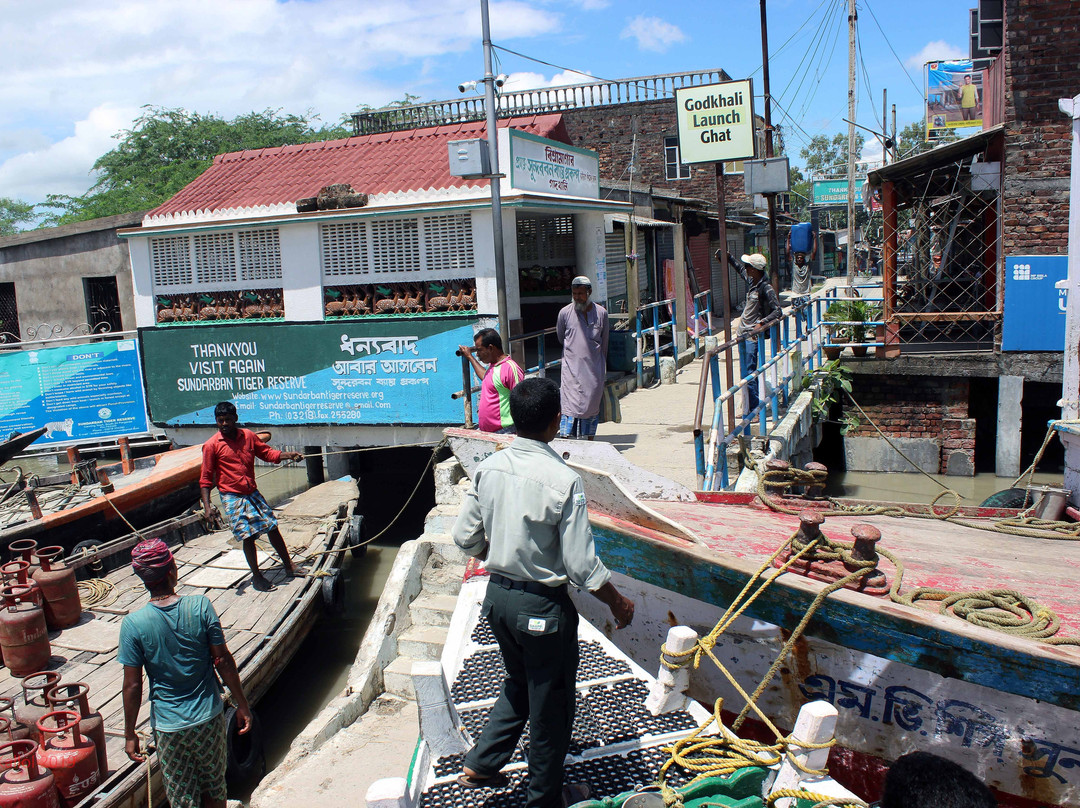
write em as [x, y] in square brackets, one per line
[495, 180]
[774, 256]
[884, 126]
[852, 18]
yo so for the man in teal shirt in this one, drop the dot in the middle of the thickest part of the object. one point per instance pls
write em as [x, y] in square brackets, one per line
[178, 640]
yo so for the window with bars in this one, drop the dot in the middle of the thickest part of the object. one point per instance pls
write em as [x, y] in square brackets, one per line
[674, 169]
[215, 259]
[343, 248]
[9, 314]
[546, 240]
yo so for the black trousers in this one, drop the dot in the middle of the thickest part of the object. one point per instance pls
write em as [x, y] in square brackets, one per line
[537, 634]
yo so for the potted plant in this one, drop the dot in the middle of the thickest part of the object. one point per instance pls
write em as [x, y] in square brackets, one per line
[838, 317]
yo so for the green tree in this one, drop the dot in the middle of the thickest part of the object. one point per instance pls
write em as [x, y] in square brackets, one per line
[165, 149]
[825, 156]
[14, 212]
[912, 140]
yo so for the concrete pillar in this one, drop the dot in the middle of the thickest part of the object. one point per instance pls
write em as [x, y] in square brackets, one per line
[314, 462]
[337, 462]
[668, 692]
[1009, 422]
[815, 724]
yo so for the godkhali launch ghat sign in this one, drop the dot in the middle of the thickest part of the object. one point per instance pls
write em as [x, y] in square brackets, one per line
[716, 122]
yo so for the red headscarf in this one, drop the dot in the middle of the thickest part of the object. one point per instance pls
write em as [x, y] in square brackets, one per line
[151, 560]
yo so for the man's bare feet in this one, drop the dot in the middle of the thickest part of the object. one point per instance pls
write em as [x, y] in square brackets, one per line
[260, 584]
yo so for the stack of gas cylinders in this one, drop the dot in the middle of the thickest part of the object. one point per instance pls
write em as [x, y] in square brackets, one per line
[55, 751]
[39, 594]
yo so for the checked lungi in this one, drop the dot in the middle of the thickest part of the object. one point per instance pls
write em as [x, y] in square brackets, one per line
[249, 514]
[193, 763]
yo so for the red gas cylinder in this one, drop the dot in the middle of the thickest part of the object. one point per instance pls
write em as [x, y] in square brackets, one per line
[74, 697]
[24, 637]
[23, 550]
[15, 728]
[57, 582]
[71, 756]
[18, 572]
[35, 705]
[23, 783]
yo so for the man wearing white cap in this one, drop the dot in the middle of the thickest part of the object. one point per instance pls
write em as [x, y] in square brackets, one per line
[761, 310]
[582, 328]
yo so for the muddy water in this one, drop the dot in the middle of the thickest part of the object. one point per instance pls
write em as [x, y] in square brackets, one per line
[921, 489]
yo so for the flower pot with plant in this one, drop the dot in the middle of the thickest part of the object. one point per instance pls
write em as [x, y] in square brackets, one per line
[838, 318]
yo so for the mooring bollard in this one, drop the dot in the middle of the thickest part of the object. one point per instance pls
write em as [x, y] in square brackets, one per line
[668, 692]
[815, 724]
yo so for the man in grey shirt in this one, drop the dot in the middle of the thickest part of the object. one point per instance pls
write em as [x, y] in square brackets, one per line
[526, 516]
[582, 329]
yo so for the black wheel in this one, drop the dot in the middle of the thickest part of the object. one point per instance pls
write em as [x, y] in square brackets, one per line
[243, 753]
[356, 535]
[92, 570]
[333, 593]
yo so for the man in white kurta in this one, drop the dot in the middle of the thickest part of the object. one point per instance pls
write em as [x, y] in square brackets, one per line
[582, 328]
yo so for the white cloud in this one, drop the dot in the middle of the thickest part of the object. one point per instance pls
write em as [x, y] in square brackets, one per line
[937, 51]
[652, 33]
[517, 82]
[64, 167]
[593, 5]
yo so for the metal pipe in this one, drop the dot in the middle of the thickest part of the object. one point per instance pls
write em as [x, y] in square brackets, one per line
[494, 180]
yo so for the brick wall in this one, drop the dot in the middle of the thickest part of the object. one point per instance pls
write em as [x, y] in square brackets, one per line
[1042, 64]
[610, 132]
[920, 407]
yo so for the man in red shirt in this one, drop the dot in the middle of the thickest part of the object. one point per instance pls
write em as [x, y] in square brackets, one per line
[229, 463]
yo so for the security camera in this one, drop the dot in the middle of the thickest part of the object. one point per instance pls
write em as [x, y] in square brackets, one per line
[500, 79]
[465, 86]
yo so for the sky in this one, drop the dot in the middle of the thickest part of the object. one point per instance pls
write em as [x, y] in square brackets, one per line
[76, 73]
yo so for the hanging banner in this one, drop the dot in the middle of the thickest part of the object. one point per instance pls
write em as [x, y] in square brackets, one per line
[716, 122]
[954, 97]
[83, 392]
[400, 371]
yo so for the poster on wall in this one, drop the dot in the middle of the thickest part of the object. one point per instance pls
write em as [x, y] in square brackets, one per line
[954, 97]
[364, 373]
[79, 393]
[1034, 313]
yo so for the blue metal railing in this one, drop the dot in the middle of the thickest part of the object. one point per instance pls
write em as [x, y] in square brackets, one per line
[701, 326]
[657, 329]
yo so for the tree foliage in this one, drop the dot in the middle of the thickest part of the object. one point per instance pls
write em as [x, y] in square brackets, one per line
[14, 212]
[912, 139]
[829, 156]
[165, 149]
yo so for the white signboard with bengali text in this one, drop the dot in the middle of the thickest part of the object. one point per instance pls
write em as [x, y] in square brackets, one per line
[716, 122]
[547, 166]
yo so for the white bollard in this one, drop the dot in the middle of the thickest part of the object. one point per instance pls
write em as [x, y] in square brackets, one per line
[816, 724]
[439, 722]
[668, 692]
[667, 370]
[390, 792]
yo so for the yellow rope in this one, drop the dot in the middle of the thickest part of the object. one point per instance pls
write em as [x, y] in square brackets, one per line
[820, 800]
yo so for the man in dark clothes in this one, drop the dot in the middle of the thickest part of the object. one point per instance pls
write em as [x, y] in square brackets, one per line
[526, 514]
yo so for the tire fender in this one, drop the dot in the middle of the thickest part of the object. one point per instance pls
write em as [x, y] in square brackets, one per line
[243, 753]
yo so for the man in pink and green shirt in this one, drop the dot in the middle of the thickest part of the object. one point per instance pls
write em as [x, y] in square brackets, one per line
[498, 379]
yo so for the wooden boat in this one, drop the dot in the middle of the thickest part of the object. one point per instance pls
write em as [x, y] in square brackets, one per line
[75, 509]
[17, 442]
[903, 676]
[263, 629]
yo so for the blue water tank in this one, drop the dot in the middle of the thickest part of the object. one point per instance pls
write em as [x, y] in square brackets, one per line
[802, 237]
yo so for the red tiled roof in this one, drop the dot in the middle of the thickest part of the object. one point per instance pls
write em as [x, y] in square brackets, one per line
[413, 160]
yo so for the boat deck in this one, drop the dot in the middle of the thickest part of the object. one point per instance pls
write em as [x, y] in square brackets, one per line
[934, 553]
[210, 565]
[616, 744]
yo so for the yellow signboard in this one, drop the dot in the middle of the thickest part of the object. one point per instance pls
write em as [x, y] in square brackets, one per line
[716, 122]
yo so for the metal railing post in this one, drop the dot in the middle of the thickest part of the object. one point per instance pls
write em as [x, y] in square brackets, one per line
[656, 340]
[639, 360]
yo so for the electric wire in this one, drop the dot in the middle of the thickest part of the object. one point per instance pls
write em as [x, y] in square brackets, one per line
[813, 51]
[873, 16]
[824, 59]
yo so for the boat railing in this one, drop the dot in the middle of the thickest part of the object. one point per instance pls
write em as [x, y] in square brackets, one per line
[799, 344]
[652, 327]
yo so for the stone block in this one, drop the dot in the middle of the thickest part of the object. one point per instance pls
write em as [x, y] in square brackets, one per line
[874, 454]
[960, 463]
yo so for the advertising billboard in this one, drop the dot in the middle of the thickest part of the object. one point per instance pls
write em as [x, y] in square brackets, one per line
[716, 122]
[87, 392]
[1034, 313]
[954, 96]
[350, 372]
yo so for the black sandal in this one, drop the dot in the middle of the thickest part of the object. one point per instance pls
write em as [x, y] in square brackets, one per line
[498, 780]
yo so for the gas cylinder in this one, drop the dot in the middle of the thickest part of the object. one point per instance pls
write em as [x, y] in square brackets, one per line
[71, 756]
[23, 783]
[57, 581]
[23, 550]
[35, 705]
[23, 634]
[75, 696]
[16, 728]
[18, 572]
